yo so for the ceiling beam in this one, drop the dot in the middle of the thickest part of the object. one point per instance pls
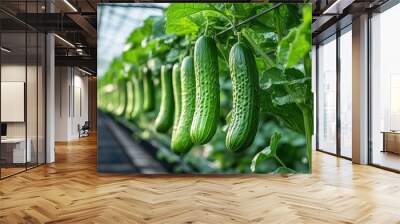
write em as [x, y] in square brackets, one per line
[80, 61]
[84, 24]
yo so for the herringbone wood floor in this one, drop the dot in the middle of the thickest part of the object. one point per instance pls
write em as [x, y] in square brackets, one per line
[70, 191]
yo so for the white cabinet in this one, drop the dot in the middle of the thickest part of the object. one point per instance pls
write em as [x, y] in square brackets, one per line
[19, 154]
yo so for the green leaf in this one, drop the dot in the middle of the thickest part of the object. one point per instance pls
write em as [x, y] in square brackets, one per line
[177, 20]
[154, 65]
[297, 43]
[138, 34]
[274, 141]
[172, 56]
[266, 153]
[297, 92]
[284, 47]
[272, 76]
[283, 170]
[158, 28]
[289, 114]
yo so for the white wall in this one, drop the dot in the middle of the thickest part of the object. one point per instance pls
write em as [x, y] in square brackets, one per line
[71, 102]
[62, 82]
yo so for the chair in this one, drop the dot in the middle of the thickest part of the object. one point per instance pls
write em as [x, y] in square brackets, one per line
[84, 130]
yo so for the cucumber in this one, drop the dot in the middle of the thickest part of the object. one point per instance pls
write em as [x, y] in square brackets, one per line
[125, 96]
[206, 113]
[148, 88]
[122, 97]
[243, 124]
[165, 116]
[130, 98]
[176, 84]
[181, 142]
[138, 99]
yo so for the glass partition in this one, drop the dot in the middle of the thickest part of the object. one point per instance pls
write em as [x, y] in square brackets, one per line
[22, 77]
[327, 95]
[346, 92]
[385, 89]
[31, 97]
[14, 143]
[41, 96]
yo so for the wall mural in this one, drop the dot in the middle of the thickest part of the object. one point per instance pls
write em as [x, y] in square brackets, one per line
[216, 88]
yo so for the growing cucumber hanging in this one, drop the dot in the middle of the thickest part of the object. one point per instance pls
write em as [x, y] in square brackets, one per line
[243, 123]
[181, 142]
[138, 97]
[207, 105]
[123, 96]
[130, 98]
[165, 116]
[148, 87]
[176, 84]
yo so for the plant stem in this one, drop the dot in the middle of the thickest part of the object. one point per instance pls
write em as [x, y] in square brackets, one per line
[205, 32]
[308, 126]
[268, 61]
[280, 161]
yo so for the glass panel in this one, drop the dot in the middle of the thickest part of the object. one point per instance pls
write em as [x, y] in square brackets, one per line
[32, 88]
[327, 96]
[31, 97]
[346, 93]
[23, 90]
[385, 89]
[13, 86]
[41, 99]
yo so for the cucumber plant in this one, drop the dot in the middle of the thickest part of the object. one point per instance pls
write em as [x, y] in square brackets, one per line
[181, 142]
[246, 106]
[165, 116]
[138, 97]
[245, 79]
[205, 118]
[148, 90]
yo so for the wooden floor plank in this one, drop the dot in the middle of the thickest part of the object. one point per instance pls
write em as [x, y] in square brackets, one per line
[71, 191]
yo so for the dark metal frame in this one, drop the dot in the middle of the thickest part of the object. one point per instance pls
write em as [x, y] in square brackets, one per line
[44, 77]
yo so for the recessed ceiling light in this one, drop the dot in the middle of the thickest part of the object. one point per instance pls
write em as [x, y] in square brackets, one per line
[64, 40]
[5, 50]
[337, 7]
[84, 71]
[70, 5]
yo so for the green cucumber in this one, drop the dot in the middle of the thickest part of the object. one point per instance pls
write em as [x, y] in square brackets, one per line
[181, 142]
[130, 98]
[148, 87]
[165, 116]
[206, 113]
[176, 84]
[138, 99]
[243, 124]
[122, 96]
